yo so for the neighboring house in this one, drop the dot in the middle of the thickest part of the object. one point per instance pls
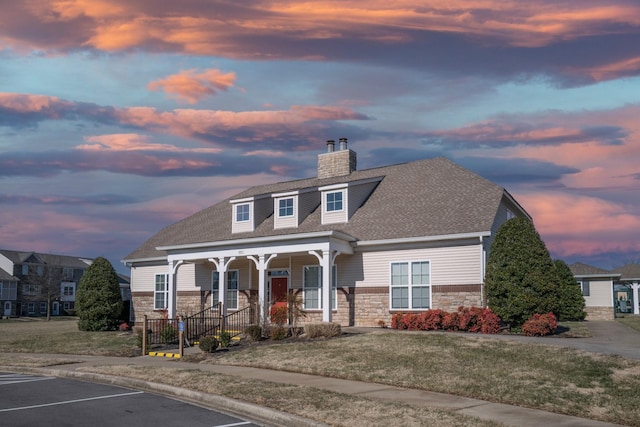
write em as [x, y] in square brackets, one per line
[626, 289]
[597, 289]
[355, 245]
[33, 273]
[8, 293]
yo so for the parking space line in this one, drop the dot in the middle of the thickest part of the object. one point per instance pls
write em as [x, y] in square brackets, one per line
[6, 380]
[245, 423]
[71, 401]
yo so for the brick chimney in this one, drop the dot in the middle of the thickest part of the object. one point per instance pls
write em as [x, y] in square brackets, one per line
[336, 163]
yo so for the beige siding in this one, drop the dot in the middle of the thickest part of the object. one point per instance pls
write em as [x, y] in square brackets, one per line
[449, 266]
[335, 216]
[289, 221]
[600, 294]
[143, 279]
[186, 277]
[244, 226]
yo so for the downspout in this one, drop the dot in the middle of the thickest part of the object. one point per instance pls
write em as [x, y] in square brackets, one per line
[483, 256]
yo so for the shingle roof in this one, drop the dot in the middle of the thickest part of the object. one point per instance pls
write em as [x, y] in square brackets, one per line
[18, 257]
[629, 271]
[6, 277]
[581, 269]
[422, 198]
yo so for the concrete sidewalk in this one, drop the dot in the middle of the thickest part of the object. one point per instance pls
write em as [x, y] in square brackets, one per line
[608, 337]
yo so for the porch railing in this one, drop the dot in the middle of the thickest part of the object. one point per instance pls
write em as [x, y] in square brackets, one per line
[206, 322]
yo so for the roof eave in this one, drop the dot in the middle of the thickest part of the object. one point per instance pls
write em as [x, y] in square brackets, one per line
[459, 236]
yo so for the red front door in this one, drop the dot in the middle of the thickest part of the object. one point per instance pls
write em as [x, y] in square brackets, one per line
[279, 291]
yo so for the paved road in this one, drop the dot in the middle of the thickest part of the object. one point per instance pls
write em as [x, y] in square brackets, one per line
[31, 400]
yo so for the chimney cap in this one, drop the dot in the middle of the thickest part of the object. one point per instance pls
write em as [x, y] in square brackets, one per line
[343, 143]
[330, 145]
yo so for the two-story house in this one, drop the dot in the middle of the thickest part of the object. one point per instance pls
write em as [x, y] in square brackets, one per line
[39, 279]
[355, 245]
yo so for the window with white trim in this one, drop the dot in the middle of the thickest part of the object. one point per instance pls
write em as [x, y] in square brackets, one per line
[231, 300]
[584, 288]
[410, 285]
[68, 290]
[161, 292]
[30, 289]
[31, 308]
[25, 269]
[312, 287]
[333, 201]
[285, 207]
[43, 308]
[8, 290]
[242, 212]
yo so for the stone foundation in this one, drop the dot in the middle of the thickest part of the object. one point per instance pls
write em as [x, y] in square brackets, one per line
[599, 313]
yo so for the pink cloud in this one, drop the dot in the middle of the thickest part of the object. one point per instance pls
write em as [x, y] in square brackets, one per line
[190, 86]
[581, 225]
[27, 103]
[134, 142]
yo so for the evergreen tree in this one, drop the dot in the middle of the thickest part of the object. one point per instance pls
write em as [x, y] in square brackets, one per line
[520, 279]
[571, 304]
[98, 299]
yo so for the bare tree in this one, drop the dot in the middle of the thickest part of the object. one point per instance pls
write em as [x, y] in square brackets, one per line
[47, 282]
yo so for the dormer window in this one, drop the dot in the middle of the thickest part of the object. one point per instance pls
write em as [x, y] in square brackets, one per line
[242, 212]
[334, 201]
[285, 207]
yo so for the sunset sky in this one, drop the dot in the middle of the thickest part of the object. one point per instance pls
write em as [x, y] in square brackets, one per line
[119, 117]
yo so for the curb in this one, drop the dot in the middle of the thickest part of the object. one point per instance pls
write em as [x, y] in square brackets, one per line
[210, 401]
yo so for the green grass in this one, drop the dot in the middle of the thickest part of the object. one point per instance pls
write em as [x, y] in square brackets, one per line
[61, 336]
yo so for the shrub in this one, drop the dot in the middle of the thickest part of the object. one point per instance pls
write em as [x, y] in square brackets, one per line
[98, 300]
[124, 326]
[451, 321]
[208, 344]
[396, 321]
[278, 333]
[254, 332]
[571, 299]
[327, 330]
[432, 320]
[412, 321]
[540, 325]
[490, 322]
[279, 315]
[169, 334]
[225, 339]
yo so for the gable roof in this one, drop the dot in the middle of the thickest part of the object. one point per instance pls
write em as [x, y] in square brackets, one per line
[581, 269]
[430, 197]
[20, 257]
[6, 277]
[629, 271]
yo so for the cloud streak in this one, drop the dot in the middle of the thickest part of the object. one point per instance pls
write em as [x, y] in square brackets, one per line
[189, 86]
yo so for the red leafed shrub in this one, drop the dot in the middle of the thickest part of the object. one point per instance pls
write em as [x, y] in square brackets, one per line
[451, 321]
[489, 322]
[540, 325]
[469, 318]
[412, 321]
[279, 315]
[432, 320]
[396, 321]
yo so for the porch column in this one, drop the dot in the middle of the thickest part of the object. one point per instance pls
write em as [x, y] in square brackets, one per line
[222, 265]
[326, 262]
[172, 285]
[634, 286]
[262, 264]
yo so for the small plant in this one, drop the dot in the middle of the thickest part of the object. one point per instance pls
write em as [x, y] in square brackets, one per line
[124, 326]
[208, 344]
[225, 339]
[254, 332]
[279, 315]
[327, 330]
[278, 333]
[169, 334]
[382, 323]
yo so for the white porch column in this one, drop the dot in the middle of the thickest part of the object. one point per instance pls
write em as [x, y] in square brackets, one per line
[262, 264]
[326, 262]
[172, 285]
[222, 265]
[634, 286]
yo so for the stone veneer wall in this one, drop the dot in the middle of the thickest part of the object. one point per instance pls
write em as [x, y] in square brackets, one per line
[599, 313]
[450, 297]
[336, 163]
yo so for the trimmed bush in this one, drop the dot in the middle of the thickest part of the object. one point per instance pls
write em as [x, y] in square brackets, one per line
[208, 344]
[451, 321]
[278, 333]
[225, 339]
[254, 332]
[98, 300]
[540, 325]
[326, 330]
[469, 319]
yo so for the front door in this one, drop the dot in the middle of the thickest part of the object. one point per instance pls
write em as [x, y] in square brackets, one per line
[279, 289]
[7, 308]
[56, 308]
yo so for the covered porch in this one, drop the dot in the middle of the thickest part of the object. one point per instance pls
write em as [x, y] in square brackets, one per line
[269, 268]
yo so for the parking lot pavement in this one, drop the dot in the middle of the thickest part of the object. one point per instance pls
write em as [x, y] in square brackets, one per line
[29, 400]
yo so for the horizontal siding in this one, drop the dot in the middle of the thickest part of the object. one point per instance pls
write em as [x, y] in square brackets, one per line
[335, 217]
[143, 279]
[460, 265]
[601, 294]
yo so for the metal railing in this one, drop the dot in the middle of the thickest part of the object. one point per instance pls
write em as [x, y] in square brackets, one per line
[235, 323]
[206, 322]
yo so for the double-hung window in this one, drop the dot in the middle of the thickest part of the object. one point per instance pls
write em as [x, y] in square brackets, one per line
[231, 299]
[68, 290]
[334, 201]
[410, 285]
[285, 207]
[312, 288]
[242, 212]
[161, 292]
[584, 287]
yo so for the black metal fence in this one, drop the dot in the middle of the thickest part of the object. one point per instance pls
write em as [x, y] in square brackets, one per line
[206, 322]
